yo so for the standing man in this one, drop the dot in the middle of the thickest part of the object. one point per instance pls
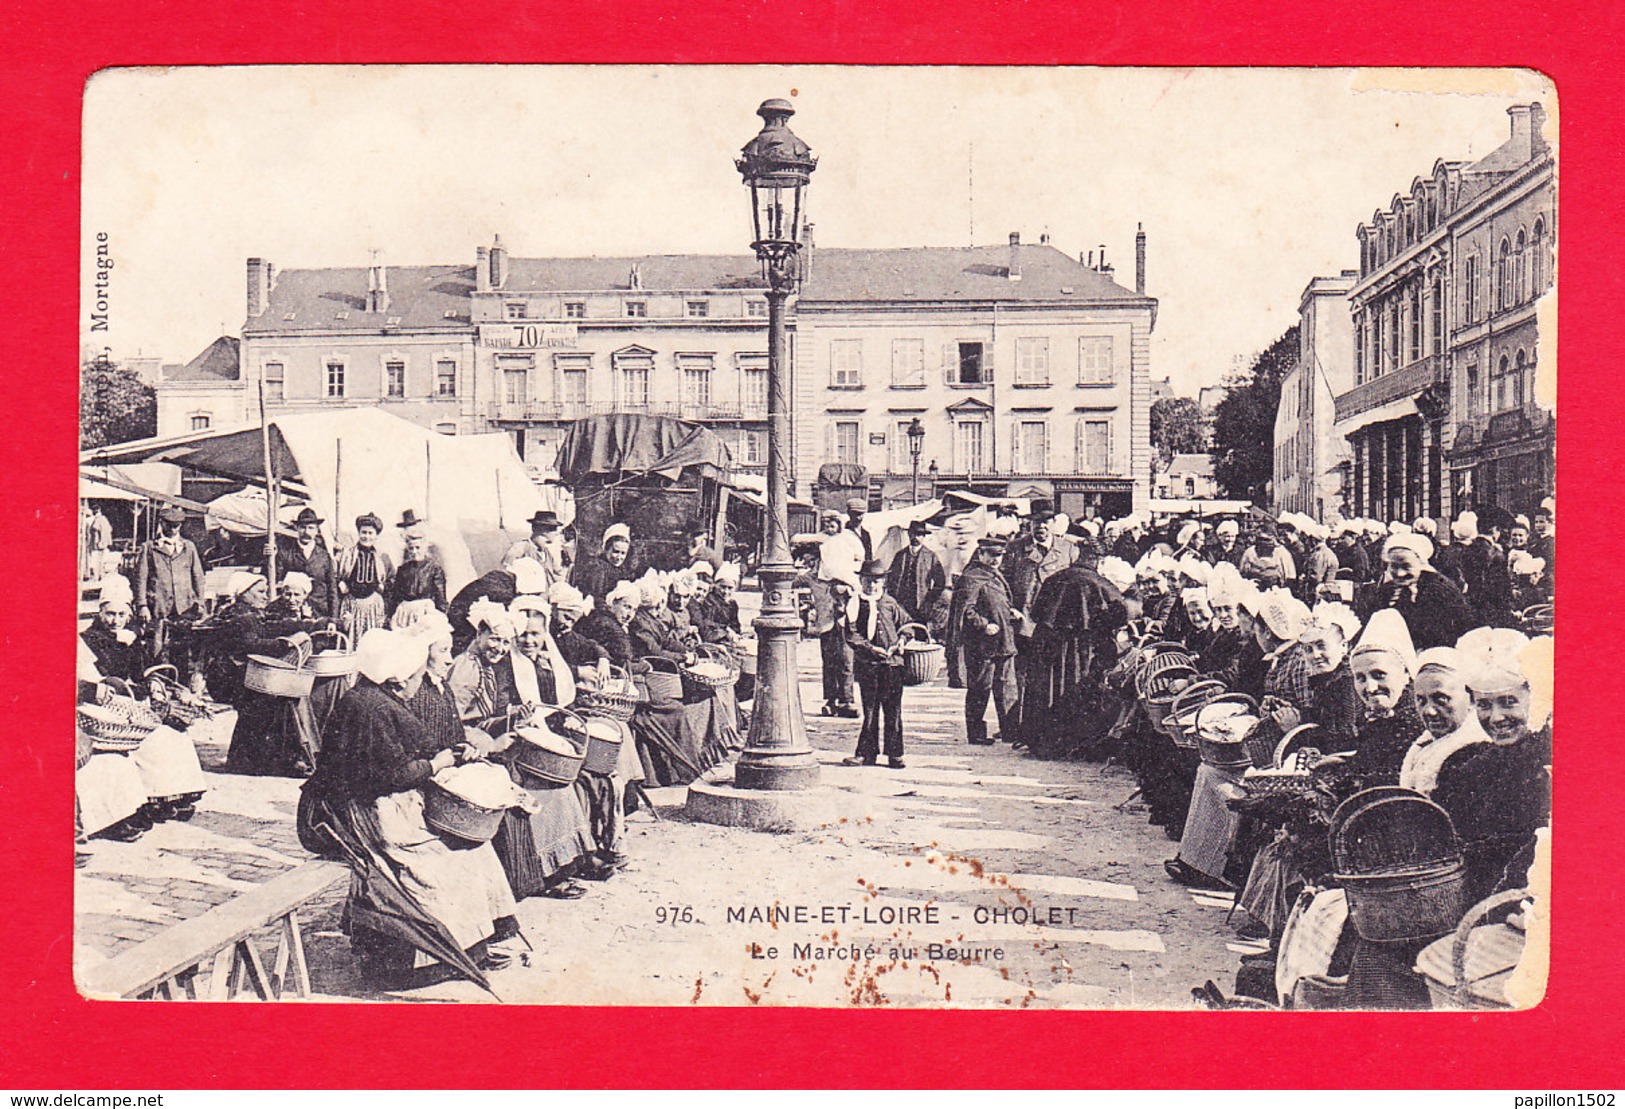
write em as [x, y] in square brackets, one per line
[986, 633]
[545, 547]
[856, 509]
[877, 649]
[1028, 564]
[1543, 543]
[1319, 561]
[916, 579]
[168, 581]
[1268, 565]
[307, 554]
[699, 547]
[99, 535]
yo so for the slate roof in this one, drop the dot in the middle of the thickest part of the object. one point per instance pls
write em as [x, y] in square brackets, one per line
[422, 296]
[1196, 465]
[219, 361]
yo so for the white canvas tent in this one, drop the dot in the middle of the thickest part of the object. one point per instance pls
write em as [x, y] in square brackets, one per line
[473, 489]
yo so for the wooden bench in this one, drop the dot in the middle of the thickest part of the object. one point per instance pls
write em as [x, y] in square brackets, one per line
[213, 958]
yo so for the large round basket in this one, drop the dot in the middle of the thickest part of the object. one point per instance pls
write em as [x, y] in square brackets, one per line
[923, 660]
[1470, 969]
[699, 684]
[1223, 754]
[277, 677]
[337, 661]
[1414, 904]
[118, 724]
[444, 811]
[616, 699]
[1177, 724]
[541, 768]
[604, 740]
[663, 680]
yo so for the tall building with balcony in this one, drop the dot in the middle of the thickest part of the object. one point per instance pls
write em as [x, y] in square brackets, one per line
[1028, 369]
[1443, 414]
[1309, 460]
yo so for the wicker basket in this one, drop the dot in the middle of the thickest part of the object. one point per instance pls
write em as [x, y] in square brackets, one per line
[544, 769]
[923, 660]
[112, 727]
[1223, 754]
[179, 706]
[664, 680]
[337, 661]
[1415, 905]
[1389, 830]
[1469, 969]
[703, 685]
[617, 699]
[605, 738]
[444, 811]
[277, 677]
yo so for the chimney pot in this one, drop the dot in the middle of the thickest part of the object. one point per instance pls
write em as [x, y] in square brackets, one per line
[1014, 268]
[482, 269]
[499, 263]
[259, 292]
[1015, 238]
[1139, 259]
[1091, 262]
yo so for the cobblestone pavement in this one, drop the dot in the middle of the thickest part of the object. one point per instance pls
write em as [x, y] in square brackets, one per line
[1047, 893]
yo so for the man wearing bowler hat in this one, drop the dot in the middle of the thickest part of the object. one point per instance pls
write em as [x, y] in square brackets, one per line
[168, 581]
[877, 663]
[307, 554]
[916, 577]
[545, 547]
[985, 632]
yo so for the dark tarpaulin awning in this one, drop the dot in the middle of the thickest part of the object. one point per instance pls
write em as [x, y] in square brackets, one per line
[629, 443]
[238, 455]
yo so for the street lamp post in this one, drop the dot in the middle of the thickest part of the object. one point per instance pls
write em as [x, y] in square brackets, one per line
[916, 440]
[776, 167]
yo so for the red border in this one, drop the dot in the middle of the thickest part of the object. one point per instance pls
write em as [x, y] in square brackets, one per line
[57, 1041]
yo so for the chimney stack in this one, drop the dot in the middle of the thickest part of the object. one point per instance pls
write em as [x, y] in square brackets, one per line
[807, 251]
[1043, 238]
[1088, 261]
[1522, 132]
[1015, 256]
[259, 287]
[377, 286]
[1139, 259]
[499, 263]
[634, 277]
[482, 269]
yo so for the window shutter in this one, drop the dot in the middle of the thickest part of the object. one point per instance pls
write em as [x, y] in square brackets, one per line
[950, 363]
[1016, 460]
[1107, 468]
[987, 363]
[1077, 446]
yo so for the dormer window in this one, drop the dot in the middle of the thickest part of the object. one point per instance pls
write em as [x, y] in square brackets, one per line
[514, 310]
[697, 309]
[637, 309]
[575, 309]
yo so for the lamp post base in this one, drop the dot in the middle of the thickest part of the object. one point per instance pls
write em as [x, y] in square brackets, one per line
[777, 755]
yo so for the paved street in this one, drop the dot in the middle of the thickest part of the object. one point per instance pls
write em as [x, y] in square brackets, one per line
[976, 877]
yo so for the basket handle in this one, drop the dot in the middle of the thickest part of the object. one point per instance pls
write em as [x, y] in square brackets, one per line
[579, 722]
[164, 671]
[1464, 931]
[917, 630]
[340, 640]
[301, 652]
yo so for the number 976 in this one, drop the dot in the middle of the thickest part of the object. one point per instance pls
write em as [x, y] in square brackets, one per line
[674, 914]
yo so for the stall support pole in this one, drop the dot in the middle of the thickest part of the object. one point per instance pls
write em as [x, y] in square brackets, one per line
[270, 495]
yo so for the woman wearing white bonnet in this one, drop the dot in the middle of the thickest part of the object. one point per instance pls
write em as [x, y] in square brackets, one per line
[1499, 792]
[1433, 609]
[1446, 711]
[377, 757]
[1384, 664]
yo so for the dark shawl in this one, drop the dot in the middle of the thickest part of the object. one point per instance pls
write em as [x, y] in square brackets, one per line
[595, 577]
[373, 746]
[497, 587]
[113, 659]
[1380, 743]
[1497, 795]
[1433, 609]
[417, 581]
[601, 627]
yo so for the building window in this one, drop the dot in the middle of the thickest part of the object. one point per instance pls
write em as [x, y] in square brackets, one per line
[753, 448]
[753, 383]
[908, 363]
[1520, 277]
[1518, 377]
[969, 436]
[1537, 259]
[696, 373]
[635, 370]
[274, 376]
[575, 309]
[1031, 449]
[845, 444]
[1094, 446]
[515, 386]
[1472, 389]
[1032, 360]
[445, 378]
[968, 364]
[395, 379]
[902, 458]
[572, 377]
[637, 309]
[1359, 353]
[514, 310]
[756, 309]
[1377, 340]
[1470, 293]
[1436, 318]
[1095, 360]
[1413, 302]
[200, 421]
[1503, 278]
[1503, 370]
[697, 309]
[335, 378]
[846, 364]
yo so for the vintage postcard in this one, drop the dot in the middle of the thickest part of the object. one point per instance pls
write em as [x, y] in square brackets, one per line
[817, 536]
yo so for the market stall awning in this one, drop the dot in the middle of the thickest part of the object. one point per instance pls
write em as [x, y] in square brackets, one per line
[1393, 410]
[632, 444]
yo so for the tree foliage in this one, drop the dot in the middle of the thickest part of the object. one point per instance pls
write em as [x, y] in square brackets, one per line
[1176, 427]
[1244, 422]
[114, 406]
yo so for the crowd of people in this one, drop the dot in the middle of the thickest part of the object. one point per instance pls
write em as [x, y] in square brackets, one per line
[1254, 675]
[362, 676]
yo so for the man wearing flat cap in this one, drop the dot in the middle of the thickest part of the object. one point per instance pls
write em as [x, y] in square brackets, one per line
[983, 631]
[306, 553]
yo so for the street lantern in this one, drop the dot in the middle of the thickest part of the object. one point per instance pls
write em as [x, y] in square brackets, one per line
[776, 167]
[916, 441]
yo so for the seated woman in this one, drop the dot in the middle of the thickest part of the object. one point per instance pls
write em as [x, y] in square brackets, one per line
[109, 797]
[1446, 710]
[1500, 792]
[569, 606]
[607, 625]
[109, 637]
[274, 735]
[377, 756]
[292, 611]
[493, 686]
[1382, 663]
[653, 635]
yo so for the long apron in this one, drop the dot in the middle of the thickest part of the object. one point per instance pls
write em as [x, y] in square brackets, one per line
[108, 789]
[1210, 824]
[168, 765]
